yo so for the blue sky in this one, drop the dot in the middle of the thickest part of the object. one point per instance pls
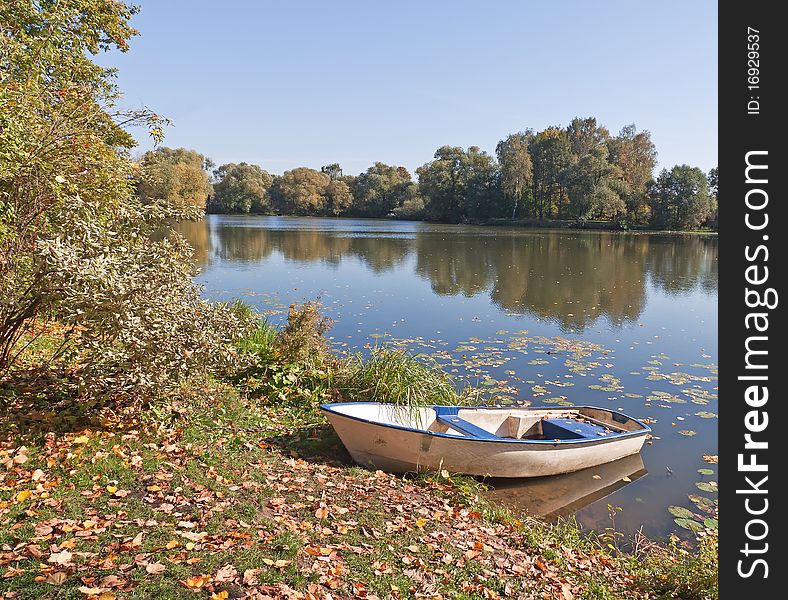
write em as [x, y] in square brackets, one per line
[297, 83]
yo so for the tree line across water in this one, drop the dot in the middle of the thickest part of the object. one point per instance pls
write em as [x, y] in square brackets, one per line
[578, 173]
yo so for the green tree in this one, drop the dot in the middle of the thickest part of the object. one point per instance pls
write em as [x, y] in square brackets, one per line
[635, 155]
[594, 186]
[592, 182]
[241, 188]
[76, 243]
[380, 189]
[680, 198]
[412, 207]
[514, 159]
[301, 191]
[175, 175]
[713, 181]
[550, 155]
[459, 184]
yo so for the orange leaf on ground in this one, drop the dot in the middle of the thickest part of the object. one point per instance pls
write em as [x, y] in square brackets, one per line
[195, 583]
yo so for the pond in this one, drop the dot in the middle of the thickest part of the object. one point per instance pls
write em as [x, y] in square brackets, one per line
[619, 320]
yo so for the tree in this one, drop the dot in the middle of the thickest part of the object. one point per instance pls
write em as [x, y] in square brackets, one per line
[334, 171]
[550, 155]
[514, 159]
[339, 197]
[594, 186]
[713, 181]
[175, 175]
[592, 182]
[241, 188]
[459, 184]
[680, 198]
[301, 191]
[380, 189]
[76, 244]
[634, 154]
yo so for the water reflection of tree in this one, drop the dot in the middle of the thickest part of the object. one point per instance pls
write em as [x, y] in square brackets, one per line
[242, 243]
[381, 253]
[456, 264]
[572, 279]
[238, 242]
[199, 237]
[569, 277]
[678, 264]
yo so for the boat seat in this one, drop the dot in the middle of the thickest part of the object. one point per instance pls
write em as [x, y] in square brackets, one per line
[568, 429]
[455, 422]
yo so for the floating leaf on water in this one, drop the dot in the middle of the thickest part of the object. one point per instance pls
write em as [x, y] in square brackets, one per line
[687, 432]
[707, 486]
[710, 523]
[681, 512]
[691, 524]
[705, 471]
[704, 414]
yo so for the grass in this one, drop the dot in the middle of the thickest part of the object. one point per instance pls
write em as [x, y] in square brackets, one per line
[395, 376]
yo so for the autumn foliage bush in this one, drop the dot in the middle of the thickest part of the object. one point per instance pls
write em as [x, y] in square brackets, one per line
[77, 245]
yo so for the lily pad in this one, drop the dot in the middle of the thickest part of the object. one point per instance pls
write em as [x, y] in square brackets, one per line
[706, 471]
[707, 486]
[687, 432]
[691, 524]
[710, 523]
[681, 512]
[705, 414]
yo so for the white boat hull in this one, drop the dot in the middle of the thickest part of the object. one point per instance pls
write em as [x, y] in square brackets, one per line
[401, 449]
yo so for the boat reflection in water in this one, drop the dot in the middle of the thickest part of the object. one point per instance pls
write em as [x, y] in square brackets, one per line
[562, 495]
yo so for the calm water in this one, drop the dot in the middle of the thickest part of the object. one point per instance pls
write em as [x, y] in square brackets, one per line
[619, 320]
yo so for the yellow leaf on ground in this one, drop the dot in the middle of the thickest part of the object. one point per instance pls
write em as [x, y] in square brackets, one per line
[23, 495]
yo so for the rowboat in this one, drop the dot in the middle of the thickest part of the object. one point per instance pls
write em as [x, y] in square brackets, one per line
[484, 441]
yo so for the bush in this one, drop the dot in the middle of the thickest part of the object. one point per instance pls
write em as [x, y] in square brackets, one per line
[301, 340]
[77, 245]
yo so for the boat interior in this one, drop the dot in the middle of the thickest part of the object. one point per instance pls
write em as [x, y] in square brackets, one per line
[530, 425]
[497, 423]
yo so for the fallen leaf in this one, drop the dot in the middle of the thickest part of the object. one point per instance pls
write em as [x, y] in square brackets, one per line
[92, 591]
[225, 574]
[61, 558]
[155, 568]
[57, 578]
[195, 583]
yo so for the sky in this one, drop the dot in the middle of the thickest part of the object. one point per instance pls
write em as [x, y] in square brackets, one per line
[307, 83]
